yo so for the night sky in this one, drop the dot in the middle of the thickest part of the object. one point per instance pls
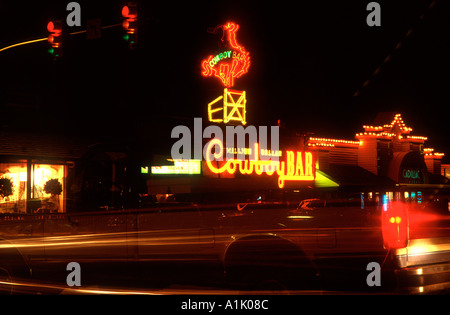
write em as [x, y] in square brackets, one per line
[309, 62]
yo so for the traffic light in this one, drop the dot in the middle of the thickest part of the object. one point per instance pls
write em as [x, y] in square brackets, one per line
[130, 23]
[55, 37]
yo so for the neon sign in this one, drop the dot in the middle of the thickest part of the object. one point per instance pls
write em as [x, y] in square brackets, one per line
[233, 107]
[229, 64]
[414, 174]
[186, 167]
[298, 166]
[248, 151]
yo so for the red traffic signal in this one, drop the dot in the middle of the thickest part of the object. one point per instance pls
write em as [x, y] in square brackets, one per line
[129, 11]
[55, 37]
[54, 27]
[129, 24]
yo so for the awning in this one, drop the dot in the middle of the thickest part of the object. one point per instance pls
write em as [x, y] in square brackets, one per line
[349, 175]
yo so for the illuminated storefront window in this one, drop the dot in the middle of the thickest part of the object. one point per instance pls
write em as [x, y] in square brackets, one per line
[390, 196]
[406, 195]
[17, 173]
[39, 175]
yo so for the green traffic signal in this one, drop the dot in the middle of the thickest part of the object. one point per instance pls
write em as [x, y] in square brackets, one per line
[53, 52]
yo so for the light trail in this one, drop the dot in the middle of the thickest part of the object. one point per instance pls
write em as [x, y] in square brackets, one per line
[24, 43]
[46, 38]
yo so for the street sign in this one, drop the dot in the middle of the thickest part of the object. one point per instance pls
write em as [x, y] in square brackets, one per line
[94, 28]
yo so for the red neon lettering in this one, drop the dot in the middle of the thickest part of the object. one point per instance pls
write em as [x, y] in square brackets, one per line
[290, 163]
[292, 170]
[230, 64]
[299, 166]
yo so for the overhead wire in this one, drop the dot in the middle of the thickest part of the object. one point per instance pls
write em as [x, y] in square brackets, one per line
[389, 57]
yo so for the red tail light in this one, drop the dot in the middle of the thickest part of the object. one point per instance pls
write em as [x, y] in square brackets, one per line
[395, 225]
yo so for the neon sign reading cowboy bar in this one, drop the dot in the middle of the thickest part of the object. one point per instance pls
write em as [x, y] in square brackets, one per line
[298, 166]
[229, 64]
[256, 159]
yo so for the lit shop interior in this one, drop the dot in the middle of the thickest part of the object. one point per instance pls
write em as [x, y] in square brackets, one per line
[28, 181]
[36, 172]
